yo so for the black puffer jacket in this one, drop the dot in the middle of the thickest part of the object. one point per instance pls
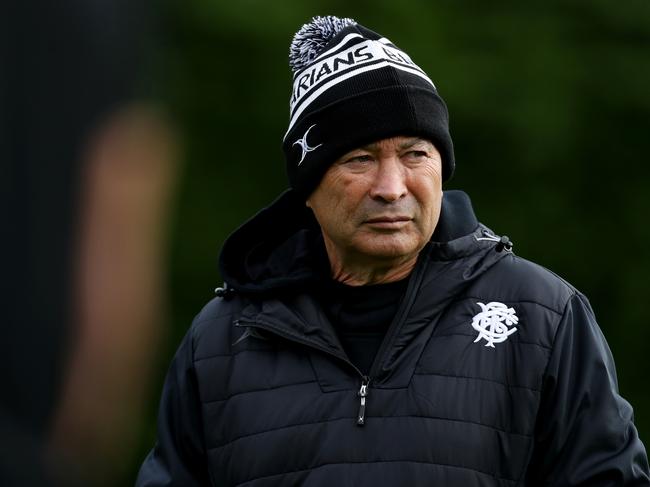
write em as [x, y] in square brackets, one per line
[261, 393]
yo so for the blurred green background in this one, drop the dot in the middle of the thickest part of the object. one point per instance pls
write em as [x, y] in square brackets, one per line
[550, 116]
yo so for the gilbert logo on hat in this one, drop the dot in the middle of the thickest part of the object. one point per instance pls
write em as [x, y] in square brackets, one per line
[302, 142]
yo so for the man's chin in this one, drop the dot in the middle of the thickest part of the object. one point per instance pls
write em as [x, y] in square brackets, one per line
[388, 247]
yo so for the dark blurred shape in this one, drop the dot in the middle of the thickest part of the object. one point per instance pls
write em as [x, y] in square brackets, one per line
[64, 66]
[119, 293]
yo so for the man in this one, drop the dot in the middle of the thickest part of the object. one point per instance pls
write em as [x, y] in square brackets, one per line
[371, 331]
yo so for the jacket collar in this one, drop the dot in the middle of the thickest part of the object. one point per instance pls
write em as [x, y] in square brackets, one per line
[277, 250]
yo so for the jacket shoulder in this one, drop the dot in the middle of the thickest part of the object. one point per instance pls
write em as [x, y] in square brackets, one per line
[212, 328]
[518, 280]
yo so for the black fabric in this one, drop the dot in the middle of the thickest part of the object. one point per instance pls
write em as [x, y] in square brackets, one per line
[279, 260]
[361, 316]
[261, 392]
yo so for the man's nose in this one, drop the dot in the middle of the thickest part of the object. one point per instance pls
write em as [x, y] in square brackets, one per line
[389, 183]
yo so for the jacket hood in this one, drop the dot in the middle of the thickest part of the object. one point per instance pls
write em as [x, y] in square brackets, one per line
[281, 247]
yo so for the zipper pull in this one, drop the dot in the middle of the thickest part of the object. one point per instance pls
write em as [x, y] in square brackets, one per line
[363, 392]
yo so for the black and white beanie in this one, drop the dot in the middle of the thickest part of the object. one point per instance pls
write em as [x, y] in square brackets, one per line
[352, 87]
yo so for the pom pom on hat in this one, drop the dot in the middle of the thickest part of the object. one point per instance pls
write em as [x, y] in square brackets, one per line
[312, 37]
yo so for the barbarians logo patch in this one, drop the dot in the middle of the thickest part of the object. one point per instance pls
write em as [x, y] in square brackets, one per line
[493, 323]
[302, 142]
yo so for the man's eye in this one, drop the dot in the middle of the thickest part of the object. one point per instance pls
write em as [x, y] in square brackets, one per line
[418, 154]
[359, 159]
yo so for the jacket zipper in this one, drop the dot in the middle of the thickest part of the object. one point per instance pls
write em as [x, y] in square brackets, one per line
[396, 324]
[402, 312]
[363, 393]
[365, 379]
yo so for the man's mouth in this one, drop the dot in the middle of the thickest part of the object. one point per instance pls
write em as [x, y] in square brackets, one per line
[388, 222]
[388, 219]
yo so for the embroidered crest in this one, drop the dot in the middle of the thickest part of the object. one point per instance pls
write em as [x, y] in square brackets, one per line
[493, 323]
[305, 146]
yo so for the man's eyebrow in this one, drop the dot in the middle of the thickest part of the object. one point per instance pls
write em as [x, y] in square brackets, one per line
[407, 144]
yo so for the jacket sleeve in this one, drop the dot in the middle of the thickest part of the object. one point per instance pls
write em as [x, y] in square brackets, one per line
[584, 434]
[178, 457]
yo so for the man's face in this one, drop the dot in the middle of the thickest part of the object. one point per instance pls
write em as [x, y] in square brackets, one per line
[380, 203]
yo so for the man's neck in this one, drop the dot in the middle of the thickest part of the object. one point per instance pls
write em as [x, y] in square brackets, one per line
[354, 272]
